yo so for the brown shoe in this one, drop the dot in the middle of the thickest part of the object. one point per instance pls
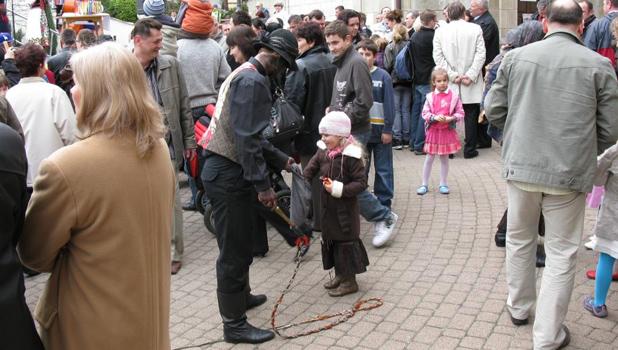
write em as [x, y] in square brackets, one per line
[176, 265]
[347, 286]
[333, 283]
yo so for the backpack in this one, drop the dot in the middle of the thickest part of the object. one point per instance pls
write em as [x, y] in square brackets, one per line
[403, 64]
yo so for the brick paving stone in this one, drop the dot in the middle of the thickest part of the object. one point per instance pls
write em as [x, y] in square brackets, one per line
[442, 278]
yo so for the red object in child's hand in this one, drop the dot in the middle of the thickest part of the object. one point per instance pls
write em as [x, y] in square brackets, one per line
[193, 167]
[302, 241]
[210, 110]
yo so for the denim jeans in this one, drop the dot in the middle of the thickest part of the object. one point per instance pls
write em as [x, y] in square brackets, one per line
[418, 124]
[384, 183]
[403, 102]
[370, 207]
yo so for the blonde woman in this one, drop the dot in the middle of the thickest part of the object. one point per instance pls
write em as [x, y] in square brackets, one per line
[100, 216]
[403, 89]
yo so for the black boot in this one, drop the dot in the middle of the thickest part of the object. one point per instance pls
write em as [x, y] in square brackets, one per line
[253, 300]
[236, 329]
[540, 256]
[500, 239]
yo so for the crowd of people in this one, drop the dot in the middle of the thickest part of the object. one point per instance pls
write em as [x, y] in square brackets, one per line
[93, 138]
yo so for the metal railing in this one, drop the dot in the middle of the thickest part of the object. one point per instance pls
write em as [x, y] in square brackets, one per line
[52, 34]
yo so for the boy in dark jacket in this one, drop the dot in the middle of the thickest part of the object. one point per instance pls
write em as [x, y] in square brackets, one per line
[381, 116]
[352, 94]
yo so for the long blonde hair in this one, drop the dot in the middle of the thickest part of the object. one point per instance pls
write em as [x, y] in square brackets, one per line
[400, 33]
[115, 97]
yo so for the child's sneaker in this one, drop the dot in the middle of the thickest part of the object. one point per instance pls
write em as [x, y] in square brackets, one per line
[384, 230]
[596, 311]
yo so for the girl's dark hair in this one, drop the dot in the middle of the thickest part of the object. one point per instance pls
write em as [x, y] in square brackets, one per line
[394, 15]
[29, 58]
[311, 32]
[242, 36]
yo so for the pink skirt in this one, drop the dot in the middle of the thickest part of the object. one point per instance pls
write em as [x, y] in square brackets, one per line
[441, 140]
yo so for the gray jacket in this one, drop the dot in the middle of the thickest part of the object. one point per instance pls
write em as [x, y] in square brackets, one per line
[556, 101]
[178, 117]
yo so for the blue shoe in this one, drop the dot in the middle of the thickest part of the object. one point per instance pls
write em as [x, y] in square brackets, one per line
[422, 190]
[444, 189]
[597, 311]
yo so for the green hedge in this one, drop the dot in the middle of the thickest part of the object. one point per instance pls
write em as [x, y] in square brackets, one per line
[124, 10]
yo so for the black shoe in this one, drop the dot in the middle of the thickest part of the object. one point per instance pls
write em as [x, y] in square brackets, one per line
[471, 154]
[483, 146]
[255, 300]
[419, 153]
[189, 206]
[397, 144]
[451, 156]
[567, 338]
[518, 322]
[500, 239]
[540, 256]
[241, 331]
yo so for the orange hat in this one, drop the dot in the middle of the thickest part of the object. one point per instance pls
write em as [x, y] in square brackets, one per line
[198, 18]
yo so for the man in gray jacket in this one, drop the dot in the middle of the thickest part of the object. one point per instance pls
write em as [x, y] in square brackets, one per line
[169, 90]
[557, 102]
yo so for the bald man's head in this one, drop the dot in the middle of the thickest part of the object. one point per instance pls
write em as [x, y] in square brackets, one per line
[565, 12]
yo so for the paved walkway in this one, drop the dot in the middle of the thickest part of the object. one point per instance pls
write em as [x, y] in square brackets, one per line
[441, 277]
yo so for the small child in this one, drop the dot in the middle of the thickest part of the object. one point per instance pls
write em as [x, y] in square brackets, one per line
[606, 231]
[381, 116]
[443, 108]
[339, 164]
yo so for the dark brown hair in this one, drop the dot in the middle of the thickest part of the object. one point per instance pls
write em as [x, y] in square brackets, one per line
[143, 26]
[368, 44]
[338, 27]
[242, 36]
[311, 32]
[29, 58]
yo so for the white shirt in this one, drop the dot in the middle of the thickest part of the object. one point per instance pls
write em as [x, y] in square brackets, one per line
[46, 115]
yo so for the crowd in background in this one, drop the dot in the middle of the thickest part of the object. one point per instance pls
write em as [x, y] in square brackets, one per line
[90, 133]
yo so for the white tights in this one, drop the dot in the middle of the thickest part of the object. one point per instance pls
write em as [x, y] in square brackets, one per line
[443, 169]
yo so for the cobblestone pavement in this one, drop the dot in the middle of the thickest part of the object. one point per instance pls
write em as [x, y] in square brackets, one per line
[442, 277]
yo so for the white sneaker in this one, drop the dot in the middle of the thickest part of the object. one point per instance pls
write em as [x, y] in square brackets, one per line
[591, 243]
[384, 230]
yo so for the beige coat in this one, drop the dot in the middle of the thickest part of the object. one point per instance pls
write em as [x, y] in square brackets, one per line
[459, 48]
[99, 220]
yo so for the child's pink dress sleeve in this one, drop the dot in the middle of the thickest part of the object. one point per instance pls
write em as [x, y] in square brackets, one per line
[427, 114]
[459, 111]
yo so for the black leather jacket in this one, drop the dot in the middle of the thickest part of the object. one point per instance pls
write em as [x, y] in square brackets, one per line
[310, 88]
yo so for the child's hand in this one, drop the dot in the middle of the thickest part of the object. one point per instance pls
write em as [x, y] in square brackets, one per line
[328, 184]
[448, 119]
[441, 118]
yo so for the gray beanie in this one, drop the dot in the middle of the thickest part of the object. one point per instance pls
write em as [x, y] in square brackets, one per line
[154, 7]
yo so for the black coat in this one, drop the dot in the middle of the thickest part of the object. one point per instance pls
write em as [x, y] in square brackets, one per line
[16, 322]
[310, 88]
[491, 36]
[421, 46]
[339, 217]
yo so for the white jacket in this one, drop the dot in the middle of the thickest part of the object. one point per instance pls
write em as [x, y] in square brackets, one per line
[459, 48]
[46, 115]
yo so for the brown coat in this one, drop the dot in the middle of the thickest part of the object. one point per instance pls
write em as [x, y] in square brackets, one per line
[99, 220]
[340, 216]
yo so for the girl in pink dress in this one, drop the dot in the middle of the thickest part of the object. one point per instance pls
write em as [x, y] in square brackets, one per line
[442, 110]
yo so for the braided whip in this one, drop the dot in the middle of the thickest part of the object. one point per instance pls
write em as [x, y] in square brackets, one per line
[343, 315]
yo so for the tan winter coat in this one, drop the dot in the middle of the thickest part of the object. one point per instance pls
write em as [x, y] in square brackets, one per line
[99, 220]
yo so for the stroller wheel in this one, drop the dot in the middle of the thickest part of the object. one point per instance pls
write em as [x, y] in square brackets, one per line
[209, 218]
[284, 200]
[200, 201]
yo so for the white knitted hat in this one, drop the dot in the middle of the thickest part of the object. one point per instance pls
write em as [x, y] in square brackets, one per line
[335, 123]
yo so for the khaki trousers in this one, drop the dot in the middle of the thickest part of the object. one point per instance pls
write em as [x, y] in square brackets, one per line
[177, 224]
[564, 223]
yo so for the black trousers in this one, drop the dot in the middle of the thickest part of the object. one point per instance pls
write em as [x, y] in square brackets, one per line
[476, 134]
[232, 199]
[239, 221]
